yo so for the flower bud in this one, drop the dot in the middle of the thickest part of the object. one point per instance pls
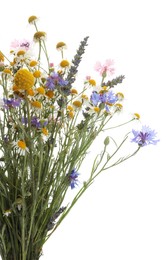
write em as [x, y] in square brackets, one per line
[106, 141]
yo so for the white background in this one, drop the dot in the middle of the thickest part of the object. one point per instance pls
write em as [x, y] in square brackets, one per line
[124, 214]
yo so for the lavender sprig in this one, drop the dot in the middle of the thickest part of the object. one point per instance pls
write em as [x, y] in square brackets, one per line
[51, 224]
[76, 61]
[113, 82]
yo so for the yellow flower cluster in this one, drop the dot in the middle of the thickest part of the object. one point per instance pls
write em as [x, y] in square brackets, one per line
[24, 79]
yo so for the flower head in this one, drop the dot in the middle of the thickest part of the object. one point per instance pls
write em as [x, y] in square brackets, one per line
[11, 103]
[108, 98]
[55, 79]
[145, 136]
[73, 178]
[32, 19]
[24, 79]
[106, 68]
[61, 46]
[39, 36]
[21, 45]
[64, 64]
[21, 147]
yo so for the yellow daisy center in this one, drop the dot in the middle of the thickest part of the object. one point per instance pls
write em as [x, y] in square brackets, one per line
[30, 92]
[77, 103]
[96, 109]
[71, 114]
[60, 45]
[64, 63]
[41, 90]
[37, 74]
[32, 19]
[44, 131]
[33, 63]
[50, 94]
[21, 52]
[7, 71]
[70, 108]
[36, 104]
[21, 144]
[39, 36]
[136, 115]
[24, 79]
[74, 91]
[92, 82]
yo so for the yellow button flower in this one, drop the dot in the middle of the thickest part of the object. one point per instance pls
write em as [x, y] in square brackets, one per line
[24, 79]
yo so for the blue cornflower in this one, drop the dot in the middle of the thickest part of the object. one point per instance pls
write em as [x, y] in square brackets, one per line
[35, 122]
[73, 178]
[144, 137]
[38, 123]
[54, 79]
[95, 98]
[108, 97]
[11, 102]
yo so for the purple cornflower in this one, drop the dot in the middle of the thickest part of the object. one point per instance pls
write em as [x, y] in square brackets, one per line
[8, 103]
[144, 137]
[73, 178]
[35, 121]
[38, 123]
[107, 98]
[95, 98]
[54, 79]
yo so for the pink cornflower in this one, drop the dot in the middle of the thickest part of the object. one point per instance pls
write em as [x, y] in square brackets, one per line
[106, 69]
[23, 44]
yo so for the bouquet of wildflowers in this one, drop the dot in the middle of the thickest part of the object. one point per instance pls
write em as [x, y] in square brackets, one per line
[47, 127]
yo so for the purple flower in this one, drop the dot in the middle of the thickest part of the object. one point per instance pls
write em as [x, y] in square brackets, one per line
[144, 137]
[11, 102]
[54, 79]
[73, 178]
[95, 98]
[38, 123]
[106, 98]
[35, 122]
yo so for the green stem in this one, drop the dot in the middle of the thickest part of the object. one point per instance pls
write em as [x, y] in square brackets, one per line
[23, 227]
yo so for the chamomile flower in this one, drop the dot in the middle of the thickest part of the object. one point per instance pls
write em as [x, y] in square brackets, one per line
[64, 65]
[45, 134]
[93, 110]
[60, 46]
[33, 19]
[77, 104]
[20, 147]
[90, 82]
[36, 105]
[38, 36]
[136, 116]
[70, 111]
